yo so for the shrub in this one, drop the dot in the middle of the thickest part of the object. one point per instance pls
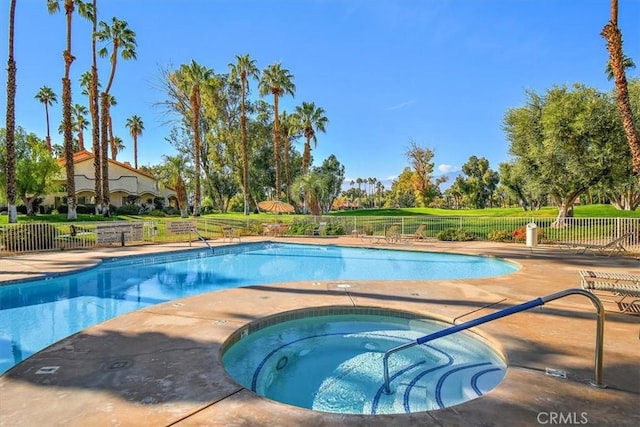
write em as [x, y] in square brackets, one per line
[519, 234]
[367, 230]
[170, 210]
[128, 210]
[157, 213]
[334, 229]
[500, 236]
[455, 235]
[30, 237]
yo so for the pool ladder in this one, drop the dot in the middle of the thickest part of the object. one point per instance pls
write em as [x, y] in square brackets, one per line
[597, 382]
[201, 237]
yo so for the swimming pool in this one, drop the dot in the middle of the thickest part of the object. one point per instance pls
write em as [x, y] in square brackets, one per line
[36, 314]
[330, 359]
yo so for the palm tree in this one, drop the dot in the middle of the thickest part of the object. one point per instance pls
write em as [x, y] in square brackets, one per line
[11, 122]
[290, 128]
[80, 123]
[196, 76]
[111, 101]
[135, 125]
[123, 40]
[277, 81]
[85, 10]
[313, 120]
[244, 68]
[613, 36]
[626, 63]
[116, 146]
[311, 188]
[172, 172]
[87, 83]
[47, 96]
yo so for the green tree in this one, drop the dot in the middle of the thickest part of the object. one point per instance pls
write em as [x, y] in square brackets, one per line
[122, 40]
[47, 97]
[242, 70]
[402, 190]
[10, 165]
[85, 10]
[332, 172]
[136, 126]
[277, 81]
[116, 147]
[312, 120]
[612, 34]
[421, 160]
[173, 172]
[310, 189]
[36, 168]
[290, 129]
[481, 181]
[567, 140]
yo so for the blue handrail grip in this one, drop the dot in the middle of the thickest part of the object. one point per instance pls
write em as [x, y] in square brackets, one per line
[489, 317]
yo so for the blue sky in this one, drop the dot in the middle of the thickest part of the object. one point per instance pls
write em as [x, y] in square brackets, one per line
[440, 73]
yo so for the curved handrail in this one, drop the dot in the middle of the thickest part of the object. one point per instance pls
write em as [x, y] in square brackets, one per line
[597, 382]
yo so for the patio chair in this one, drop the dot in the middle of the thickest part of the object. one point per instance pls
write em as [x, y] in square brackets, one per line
[614, 287]
[419, 234]
[317, 230]
[614, 247]
[229, 233]
[392, 235]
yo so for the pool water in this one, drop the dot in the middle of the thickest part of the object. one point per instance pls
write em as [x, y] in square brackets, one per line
[333, 363]
[36, 314]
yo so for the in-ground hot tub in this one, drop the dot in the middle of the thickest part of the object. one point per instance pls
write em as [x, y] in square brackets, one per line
[330, 359]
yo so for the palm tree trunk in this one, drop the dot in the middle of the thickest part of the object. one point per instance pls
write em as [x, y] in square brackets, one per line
[11, 122]
[68, 149]
[80, 140]
[135, 150]
[104, 144]
[46, 113]
[66, 118]
[287, 172]
[306, 156]
[613, 36]
[112, 141]
[276, 145]
[245, 149]
[95, 118]
[195, 104]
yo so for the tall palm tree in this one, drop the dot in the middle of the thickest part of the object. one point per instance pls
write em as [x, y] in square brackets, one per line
[136, 126]
[123, 41]
[613, 36]
[313, 120]
[290, 129]
[244, 68]
[116, 147]
[277, 81]
[80, 123]
[11, 121]
[86, 82]
[84, 9]
[47, 96]
[195, 76]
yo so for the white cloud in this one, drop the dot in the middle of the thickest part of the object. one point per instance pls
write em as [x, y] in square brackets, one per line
[401, 105]
[444, 168]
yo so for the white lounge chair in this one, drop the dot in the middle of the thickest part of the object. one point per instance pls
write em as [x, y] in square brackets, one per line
[614, 247]
[620, 288]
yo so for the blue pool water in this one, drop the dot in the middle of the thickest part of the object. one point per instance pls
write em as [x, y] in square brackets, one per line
[333, 363]
[35, 314]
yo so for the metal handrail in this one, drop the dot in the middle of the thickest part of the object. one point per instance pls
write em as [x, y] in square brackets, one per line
[201, 237]
[597, 382]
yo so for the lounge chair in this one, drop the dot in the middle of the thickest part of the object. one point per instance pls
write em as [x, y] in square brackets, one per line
[317, 230]
[229, 233]
[419, 234]
[614, 287]
[392, 235]
[614, 247]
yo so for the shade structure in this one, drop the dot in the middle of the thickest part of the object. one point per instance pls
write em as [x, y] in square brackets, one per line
[276, 206]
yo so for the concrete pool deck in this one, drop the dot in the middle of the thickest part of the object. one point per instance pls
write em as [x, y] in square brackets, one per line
[160, 366]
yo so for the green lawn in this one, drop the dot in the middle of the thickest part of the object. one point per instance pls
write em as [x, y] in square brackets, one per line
[589, 211]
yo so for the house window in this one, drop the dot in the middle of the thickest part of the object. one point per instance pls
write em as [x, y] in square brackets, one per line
[82, 200]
